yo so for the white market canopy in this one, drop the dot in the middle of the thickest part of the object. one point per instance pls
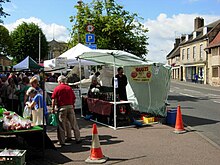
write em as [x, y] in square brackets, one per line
[73, 53]
[112, 57]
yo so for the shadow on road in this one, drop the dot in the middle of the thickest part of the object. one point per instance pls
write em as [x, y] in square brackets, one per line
[196, 121]
[180, 98]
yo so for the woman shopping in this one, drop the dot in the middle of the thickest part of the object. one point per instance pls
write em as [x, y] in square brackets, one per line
[37, 105]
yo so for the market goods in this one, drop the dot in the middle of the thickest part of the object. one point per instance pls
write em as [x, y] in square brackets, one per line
[12, 121]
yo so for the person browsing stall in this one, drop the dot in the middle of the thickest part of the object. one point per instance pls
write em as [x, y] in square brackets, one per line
[94, 84]
[38, 104]
[64, 97]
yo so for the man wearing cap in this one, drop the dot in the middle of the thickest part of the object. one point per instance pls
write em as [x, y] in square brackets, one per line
[64, 97]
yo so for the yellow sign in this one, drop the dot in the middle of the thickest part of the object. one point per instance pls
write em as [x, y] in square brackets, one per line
[141, 73]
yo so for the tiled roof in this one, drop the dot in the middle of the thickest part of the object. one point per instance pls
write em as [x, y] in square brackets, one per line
[200, 33]
[174, 52]
[215, 42]
[4, 57]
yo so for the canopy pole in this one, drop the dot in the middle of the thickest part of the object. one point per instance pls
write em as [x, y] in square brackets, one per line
[114, 96]
[80, 86]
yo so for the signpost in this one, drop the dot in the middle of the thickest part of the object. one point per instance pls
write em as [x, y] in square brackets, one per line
[90, 28]
[90, 38]
[92, 46]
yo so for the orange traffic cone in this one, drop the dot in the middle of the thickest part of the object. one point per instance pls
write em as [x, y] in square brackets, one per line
[179, 128]
[96, 155]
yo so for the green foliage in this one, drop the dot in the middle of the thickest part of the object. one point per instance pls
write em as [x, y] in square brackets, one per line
[2, 13]
[115, 28]
[5, 41]
[26, 42]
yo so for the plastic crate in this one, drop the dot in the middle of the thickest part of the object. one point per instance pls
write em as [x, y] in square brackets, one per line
[18, 159]
[148, 120]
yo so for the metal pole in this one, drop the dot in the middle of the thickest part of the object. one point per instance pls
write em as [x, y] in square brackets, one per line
[80, 87]
[79, 38]
[39, 46]
[115, 115]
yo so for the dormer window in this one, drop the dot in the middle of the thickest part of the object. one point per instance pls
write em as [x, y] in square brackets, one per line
[194, 35]
[205, 30]
[187, 37]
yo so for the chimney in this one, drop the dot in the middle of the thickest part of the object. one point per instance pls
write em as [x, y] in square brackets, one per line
[198, 23]
[183, 37]
[177, 42]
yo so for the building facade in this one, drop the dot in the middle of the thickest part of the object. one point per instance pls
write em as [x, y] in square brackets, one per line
[193, 58]
[213, 51]
[56, 48]
[5, 63]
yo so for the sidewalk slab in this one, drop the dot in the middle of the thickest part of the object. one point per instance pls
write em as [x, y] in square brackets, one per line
[155, 145]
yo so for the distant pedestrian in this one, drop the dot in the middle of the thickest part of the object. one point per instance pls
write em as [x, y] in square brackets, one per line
[196, 77]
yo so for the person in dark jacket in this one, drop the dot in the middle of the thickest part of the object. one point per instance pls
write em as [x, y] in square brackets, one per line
[122, 83]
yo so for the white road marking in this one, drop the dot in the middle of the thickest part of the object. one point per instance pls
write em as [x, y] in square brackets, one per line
[193, 91]
[213, 95]
[217, 102]
[187, 95]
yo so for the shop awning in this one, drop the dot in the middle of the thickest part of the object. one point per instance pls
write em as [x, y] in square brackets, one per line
[191, 65]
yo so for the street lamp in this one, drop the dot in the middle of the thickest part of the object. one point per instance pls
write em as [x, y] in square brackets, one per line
[80, 4]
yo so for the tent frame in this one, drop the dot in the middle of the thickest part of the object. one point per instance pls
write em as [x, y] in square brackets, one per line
[114, 100]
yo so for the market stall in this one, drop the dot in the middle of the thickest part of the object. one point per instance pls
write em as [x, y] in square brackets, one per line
[33, 135]
[113, 58]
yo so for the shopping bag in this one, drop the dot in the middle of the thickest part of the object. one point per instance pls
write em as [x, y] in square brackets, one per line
[37, 117]
[27, 112]
[52, 119]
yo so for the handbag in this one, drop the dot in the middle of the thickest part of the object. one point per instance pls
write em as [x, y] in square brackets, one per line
[27, 112]
[38, 116]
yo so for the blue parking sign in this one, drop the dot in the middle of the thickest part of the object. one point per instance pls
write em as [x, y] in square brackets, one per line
[92, 46]
[90, 38]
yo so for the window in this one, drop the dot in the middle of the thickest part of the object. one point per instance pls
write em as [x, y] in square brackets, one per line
[194, 52]
[183, 52]
[188, 53]
[201, 51]
[214, 71]
[214, 51]
[177, 58]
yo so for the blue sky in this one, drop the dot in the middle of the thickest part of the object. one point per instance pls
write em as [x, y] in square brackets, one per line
[170, 17]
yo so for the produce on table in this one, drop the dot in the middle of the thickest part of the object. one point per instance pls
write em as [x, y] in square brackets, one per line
[12, 121]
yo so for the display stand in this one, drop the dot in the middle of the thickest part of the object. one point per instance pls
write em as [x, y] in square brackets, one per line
[43, 130]
[103, 112]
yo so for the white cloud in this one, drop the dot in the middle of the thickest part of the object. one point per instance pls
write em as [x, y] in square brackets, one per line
[58, 32]
[163, 31]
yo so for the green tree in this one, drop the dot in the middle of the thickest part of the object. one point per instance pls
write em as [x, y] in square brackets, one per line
[5, 41]
[26, 42]
[2, 13]
[115, 28]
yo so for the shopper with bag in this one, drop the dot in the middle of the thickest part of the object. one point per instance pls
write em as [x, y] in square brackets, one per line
[64, 97]
[37, 105]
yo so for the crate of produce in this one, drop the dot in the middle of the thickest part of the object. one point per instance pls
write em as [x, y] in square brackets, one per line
[12, 157]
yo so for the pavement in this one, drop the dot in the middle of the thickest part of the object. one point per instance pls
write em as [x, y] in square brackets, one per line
[155, 144]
